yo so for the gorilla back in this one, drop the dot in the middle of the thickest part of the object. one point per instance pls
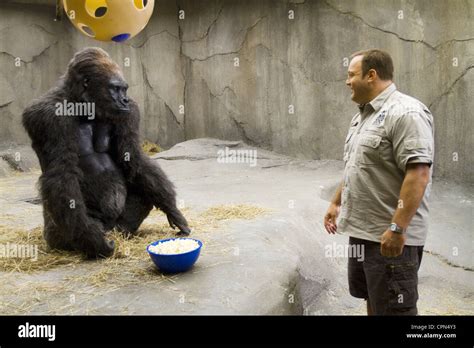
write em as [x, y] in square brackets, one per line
[95, 176]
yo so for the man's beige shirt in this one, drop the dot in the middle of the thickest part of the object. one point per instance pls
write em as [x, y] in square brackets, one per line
[390, 131]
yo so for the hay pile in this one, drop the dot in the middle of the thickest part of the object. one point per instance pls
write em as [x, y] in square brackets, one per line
[45, 259]
[127, 250]
[150, 148]
[229, 212]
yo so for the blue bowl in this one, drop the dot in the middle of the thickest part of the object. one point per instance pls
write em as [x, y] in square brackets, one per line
[174, 263]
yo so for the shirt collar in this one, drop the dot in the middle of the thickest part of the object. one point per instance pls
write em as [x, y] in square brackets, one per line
[379, 100]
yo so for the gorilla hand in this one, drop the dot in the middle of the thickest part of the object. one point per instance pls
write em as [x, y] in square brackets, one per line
[176, 219]
[91, 240]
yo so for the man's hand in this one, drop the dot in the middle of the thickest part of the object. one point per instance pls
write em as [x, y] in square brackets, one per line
[392, 243]
[330, 218]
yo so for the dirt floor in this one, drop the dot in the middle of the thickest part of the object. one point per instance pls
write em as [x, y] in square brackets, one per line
[261, 225]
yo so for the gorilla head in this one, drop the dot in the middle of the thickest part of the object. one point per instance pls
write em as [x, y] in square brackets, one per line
[94, 77]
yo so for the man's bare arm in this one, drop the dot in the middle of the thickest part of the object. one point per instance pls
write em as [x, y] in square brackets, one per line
[413, 188]
[336, 199]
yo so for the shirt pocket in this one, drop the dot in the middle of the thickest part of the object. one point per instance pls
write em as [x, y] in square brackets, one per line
[368, 149]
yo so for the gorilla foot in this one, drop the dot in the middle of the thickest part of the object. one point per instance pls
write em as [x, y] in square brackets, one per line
[104, 251]
[176, 219]
[93, 243]
[184, 233]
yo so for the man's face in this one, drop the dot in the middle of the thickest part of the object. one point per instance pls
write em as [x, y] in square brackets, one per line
[359, 85]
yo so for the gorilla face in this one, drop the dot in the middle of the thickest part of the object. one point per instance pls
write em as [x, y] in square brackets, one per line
[109, 93]
[117, 91]
[95, 78]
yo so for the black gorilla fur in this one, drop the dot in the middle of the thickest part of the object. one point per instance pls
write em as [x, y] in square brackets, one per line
[94, 174]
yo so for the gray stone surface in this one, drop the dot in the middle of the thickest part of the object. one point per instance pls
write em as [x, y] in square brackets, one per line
[17, 159]
[282, 62]
[281, 266]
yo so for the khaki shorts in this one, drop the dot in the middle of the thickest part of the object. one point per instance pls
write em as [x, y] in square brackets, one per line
[389, 283]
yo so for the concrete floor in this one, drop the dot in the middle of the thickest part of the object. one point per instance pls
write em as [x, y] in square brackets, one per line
[274, 264]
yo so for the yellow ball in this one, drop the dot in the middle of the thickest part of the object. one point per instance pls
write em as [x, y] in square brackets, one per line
[109, 20]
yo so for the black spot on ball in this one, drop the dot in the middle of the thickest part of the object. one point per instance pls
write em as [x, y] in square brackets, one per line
[101, 11]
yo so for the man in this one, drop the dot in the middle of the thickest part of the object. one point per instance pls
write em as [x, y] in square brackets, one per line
[382, 201]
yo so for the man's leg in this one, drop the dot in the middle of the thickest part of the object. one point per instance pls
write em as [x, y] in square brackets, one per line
[356, 275]
[392, 282]
[369, 308]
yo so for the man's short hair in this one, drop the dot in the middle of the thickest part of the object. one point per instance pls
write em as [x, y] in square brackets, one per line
[378, 60]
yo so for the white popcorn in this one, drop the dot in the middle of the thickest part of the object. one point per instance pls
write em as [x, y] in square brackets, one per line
[175, 246]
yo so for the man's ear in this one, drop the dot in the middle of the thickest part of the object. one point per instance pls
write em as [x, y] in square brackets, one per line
[85, 82]
[371, 75]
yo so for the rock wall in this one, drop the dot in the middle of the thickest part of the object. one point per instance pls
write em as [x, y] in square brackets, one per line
[245, 70]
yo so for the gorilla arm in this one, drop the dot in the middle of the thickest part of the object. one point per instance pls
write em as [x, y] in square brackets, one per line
[54, 139]
[142, 172]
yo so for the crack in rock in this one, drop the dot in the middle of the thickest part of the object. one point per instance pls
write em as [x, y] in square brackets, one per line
[432, 47]
[33, 57]
[295, 70]
[172, 113]
[148, 84]
[453, 40]
[6, 104]
[218, 95]
[354, 15]
[240, 127]
[209, 28]
[451, 87]
[239, 124]
[12, 162]
[248, 30]
[184, 75]
[448, 262]
[152, 36]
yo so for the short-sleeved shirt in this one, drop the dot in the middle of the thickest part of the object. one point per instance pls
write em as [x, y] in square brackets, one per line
[392, 130]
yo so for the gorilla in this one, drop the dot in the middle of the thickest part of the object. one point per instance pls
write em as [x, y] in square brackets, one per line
[95, 176]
